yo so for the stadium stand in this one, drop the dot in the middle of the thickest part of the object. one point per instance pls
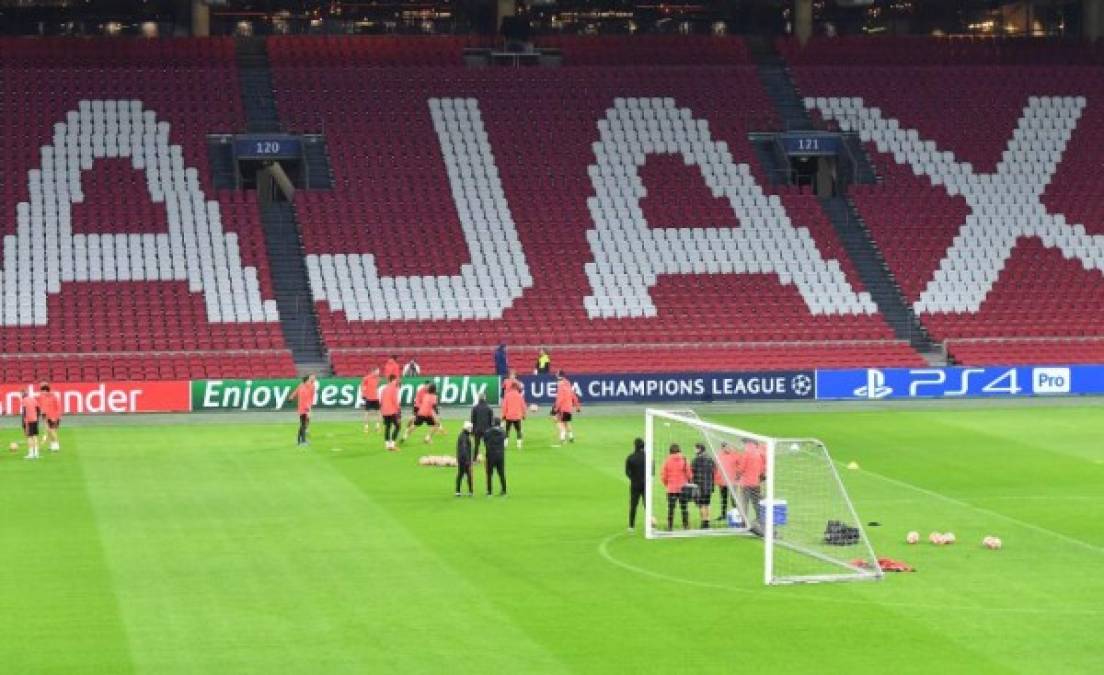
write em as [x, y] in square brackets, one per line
[464, 203]
[104, 190]
[988, 212]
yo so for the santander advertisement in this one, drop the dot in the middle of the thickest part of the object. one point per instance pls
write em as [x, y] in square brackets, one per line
[85, 398]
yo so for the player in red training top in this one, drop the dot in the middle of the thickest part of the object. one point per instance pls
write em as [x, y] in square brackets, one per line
[391, 411]
[49, 403]
[392, 367]
[512, 383]
[304, 396]
[513, 412]
[415, 407]
[567, 403]
[674, 476]
[428, 413]
[30, 413]
[369, 391]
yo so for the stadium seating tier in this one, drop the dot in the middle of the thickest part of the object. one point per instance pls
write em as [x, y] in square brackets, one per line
[103, 149]
[1020, 131]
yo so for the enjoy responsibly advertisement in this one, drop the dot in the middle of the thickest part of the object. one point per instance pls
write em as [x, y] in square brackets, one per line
[332, 392]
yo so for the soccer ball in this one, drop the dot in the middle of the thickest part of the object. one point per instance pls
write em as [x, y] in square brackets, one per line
[912, 537]
[653, 521]
[948, 538]
[533, 407]
[936, 539]
[992, 543]
[14, 447]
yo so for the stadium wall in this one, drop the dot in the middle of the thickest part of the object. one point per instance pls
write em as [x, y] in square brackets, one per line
[857, 384]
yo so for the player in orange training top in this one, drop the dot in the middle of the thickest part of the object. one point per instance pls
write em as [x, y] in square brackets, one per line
[392, 367]
[391, 412]
[674, 476]
[567, 403]
[513, 412]
[428, 413]
[304, 396]
[30, 414]
[50, 405]
[369, 391]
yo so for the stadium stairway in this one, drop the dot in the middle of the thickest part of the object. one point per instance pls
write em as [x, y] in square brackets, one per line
[255, 80]
[289, 280]
[875, 275]
[779, 86]
[317, 157]
[867, 174]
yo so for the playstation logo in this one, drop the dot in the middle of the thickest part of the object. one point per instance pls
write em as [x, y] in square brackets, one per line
[875, 387]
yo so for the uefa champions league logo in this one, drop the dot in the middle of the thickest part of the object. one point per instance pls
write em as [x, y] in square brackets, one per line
[801, 385]
[875, 387]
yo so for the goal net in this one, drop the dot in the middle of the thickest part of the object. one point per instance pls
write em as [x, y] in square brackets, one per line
[707, 479]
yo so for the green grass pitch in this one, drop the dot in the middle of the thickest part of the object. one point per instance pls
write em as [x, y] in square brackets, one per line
[219, 547]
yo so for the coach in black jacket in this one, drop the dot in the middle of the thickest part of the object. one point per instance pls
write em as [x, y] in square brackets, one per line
[464, 458]
[495, 440]
[635, 468]
[482, 417]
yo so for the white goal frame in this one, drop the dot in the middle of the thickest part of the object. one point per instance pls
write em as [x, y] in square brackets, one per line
[689, 417]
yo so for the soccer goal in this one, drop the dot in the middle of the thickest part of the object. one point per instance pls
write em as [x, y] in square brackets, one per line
[710, 480]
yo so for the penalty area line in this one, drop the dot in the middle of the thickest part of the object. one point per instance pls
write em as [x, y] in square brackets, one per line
[765, 591]
[980, 509]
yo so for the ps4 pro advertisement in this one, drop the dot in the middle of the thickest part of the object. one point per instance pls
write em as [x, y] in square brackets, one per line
[875, 384]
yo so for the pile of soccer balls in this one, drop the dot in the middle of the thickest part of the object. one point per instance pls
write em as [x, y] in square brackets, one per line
[436, 460]
[946, 538]
[440, 460]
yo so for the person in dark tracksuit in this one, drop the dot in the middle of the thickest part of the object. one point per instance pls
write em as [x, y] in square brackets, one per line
[464, 458]
[481, 418]
[495, 440]
[635, 467]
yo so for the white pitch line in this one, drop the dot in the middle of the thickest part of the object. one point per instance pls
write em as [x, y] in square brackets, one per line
[996, 514]
[603, 550]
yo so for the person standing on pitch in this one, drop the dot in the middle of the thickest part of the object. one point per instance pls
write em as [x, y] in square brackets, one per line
[495, 440]
[50, 405]
[728, 471]
[635, 466]
[464, 458]
[513, 412]
[369, 391]
[30, 414]
[391, 411]
[392, 367]
[702, 469]
[753, 464]
[566, 405]
[481, 418]
[674, 476]
[304, 396]
[512, 382]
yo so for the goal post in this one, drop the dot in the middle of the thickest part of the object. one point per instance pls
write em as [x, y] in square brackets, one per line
[785, 491]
